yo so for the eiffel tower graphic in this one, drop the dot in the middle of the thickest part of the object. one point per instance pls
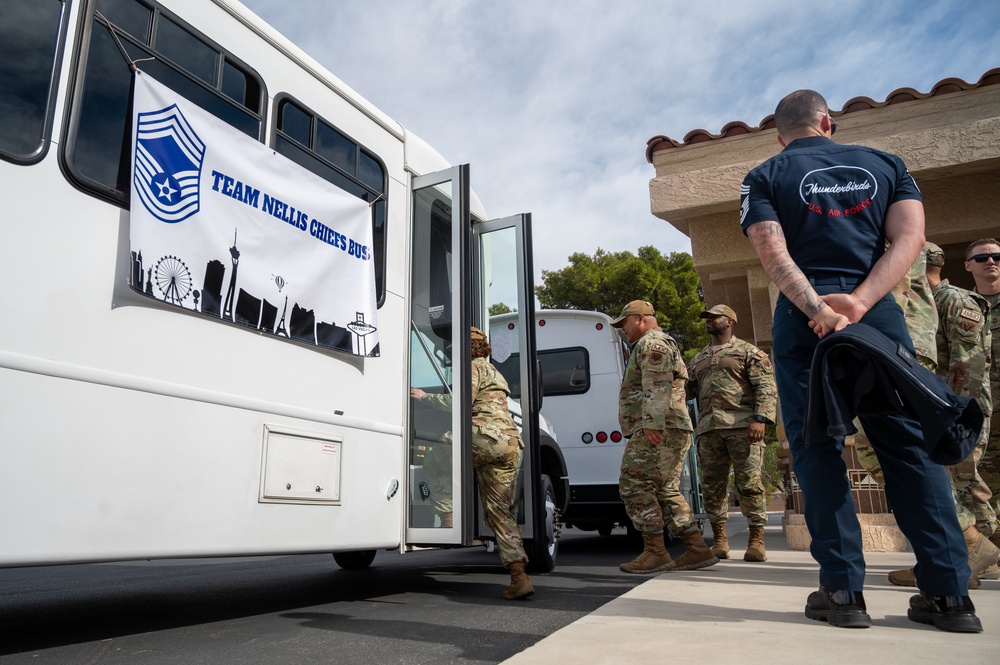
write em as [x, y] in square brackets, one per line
[281, 324]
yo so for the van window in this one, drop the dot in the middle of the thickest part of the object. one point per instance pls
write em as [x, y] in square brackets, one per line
[29, 50]
[307, 139]
[564, 372]
[172, 53]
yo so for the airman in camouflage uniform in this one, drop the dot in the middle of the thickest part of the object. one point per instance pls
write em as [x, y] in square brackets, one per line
[496, 457]
[981, 261]
[913, 294]
[963, 360]
[734, 383]
[652, 411]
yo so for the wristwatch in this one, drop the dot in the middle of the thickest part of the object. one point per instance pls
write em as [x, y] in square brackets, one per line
[758, 418]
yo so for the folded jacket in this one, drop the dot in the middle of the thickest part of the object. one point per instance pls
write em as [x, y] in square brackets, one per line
[858, 371]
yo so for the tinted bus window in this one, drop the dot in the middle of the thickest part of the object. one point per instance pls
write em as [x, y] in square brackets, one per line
[29, 48]
[564, 372]
[186, 62]
[318, 146]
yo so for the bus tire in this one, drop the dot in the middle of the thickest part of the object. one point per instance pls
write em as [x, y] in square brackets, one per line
[542, 552]
[354, 560]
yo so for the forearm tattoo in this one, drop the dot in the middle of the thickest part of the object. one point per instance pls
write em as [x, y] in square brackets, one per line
[769, 241]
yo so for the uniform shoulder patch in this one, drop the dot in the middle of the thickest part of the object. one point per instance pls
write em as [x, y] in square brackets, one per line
[971, 314]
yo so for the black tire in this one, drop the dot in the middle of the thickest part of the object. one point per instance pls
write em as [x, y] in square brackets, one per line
[354, 560]
[605, 529]
[542, 552]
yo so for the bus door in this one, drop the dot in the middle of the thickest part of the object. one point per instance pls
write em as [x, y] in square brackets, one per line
[440, 482]
[502, 276]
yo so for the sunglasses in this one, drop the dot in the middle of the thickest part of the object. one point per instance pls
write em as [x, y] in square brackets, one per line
[983, 258]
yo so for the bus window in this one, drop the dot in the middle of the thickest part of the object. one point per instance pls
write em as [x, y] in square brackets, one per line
[180, 59]
[29, 57]
[318, 146]
[564, 372]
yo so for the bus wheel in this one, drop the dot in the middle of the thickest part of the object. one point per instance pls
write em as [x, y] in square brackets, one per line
[542, 552]
[354, 560]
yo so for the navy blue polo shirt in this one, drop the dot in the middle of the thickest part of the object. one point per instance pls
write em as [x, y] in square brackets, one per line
[831, 201]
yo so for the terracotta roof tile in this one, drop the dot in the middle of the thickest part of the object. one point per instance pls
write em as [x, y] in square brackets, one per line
[736, 127]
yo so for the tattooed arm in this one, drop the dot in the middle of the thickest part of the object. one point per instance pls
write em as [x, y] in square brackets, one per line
[769, 241]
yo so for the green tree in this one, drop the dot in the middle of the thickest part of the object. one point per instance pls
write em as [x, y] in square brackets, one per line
[499, 308]
[606, 281]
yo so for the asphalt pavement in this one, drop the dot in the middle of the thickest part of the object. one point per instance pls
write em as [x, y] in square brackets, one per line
[752, 613]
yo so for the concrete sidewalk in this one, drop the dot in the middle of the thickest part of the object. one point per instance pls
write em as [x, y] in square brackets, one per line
[749, 613]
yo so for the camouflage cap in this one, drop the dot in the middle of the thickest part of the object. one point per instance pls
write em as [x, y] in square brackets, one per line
[719, 310]
[935, 255]
[633, 308]
[477, 333]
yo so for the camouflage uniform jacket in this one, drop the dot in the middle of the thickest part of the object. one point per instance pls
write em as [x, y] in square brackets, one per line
[914, 295]
[732, 384]
[964, 342]
[490, 414]
[994, 324]
[652, 391]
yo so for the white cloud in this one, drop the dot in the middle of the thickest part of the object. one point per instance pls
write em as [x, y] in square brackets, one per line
[552, 102]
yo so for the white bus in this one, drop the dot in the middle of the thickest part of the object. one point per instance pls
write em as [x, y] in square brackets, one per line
[137, 421]
[582, 360]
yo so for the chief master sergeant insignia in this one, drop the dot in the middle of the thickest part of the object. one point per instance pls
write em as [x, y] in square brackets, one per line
[167, 168]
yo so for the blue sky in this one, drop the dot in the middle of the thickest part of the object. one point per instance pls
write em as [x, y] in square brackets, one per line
[552, 102]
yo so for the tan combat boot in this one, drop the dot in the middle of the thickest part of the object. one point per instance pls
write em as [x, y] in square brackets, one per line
[982, 552]
[520, 586]
[654, 557]
[696, 555]
[905, 577]
[755, 546]
[720, 541]
[991, 572]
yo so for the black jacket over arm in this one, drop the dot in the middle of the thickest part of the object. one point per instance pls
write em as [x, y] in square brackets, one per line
[858, 371]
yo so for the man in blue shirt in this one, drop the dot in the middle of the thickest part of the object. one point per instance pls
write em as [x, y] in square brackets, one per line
[819, 215]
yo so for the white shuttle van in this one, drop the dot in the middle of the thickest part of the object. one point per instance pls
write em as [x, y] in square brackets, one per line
[140, 416]
[581, 360]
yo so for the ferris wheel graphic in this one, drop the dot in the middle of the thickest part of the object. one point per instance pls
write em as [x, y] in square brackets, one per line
[173, 279]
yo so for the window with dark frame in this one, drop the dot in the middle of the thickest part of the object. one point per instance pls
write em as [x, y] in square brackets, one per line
[180, 58]
[313, 143]
[29, 58]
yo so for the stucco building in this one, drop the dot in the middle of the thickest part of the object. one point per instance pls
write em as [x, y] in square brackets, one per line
[949, 138]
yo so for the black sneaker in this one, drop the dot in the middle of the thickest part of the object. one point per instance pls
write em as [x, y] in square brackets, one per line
[956, 614]
[838, 608]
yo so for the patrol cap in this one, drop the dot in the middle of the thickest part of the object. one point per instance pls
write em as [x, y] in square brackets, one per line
[477, 334]
[633, 308]
[935, 255]
[719, 310]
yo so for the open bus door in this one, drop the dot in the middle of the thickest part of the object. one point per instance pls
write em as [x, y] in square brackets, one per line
[502, 274]
[459, 270]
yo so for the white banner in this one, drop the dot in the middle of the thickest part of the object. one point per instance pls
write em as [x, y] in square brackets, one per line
[224, 226]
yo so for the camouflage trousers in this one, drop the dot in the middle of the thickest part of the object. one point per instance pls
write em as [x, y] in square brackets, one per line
[718, 451]
[650, 483]
[974, 502]
[989, 466]
[497, 483]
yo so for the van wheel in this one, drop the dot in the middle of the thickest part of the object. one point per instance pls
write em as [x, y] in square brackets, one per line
[542, 551]
[354, 560]
[605, 529]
